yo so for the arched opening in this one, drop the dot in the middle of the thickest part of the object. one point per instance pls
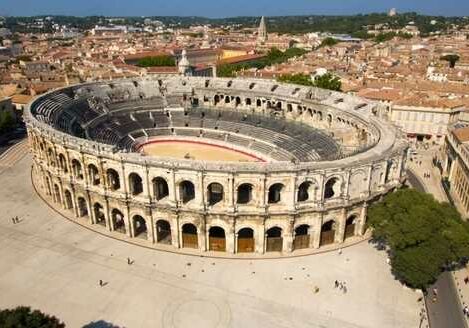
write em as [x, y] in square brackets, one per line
[160, 188]
[302, 237]
[186, 191]
[68, 200]
[350, 226]
[258, 103]
[118, 220]
[237, 101]
[274, 240]
[136, 184]
[248, 102]
[189, 236]
[332, 188]
[304, 191]
[216, 239]
[63, 163]
[246, 241]
[82, 207]
[140, 227]
[328, 233]
[227, 99]
[51, 157]
[93, 173]
[163, 232]
[99, 214]
[57, 197]
[244, 193]
[215, 193]
[113, 179]
[216, 100]
[275, 193]
[77, 170]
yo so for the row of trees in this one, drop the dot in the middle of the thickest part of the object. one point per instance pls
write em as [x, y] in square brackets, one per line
[423, 237]
[274, 56]
[326, 81]
[153, 61]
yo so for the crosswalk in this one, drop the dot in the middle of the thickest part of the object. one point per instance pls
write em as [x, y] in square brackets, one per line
[13, 155]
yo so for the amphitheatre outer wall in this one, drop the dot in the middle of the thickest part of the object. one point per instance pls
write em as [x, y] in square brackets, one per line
[260, 207]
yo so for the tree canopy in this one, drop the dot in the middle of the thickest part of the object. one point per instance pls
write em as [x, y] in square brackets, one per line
[274, 56]
[7, 122]
[156, 61]
[326, 81]
[24, 317]
[423, 235]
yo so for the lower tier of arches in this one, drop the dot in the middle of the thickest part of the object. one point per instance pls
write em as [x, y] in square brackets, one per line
[206, 232]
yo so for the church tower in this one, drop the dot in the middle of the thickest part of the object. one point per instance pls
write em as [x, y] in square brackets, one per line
[262, 32]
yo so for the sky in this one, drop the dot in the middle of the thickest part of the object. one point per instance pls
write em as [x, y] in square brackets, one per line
[227, 8]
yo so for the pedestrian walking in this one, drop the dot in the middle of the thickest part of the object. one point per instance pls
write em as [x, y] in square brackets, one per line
[340, 251]
[100, 283]
[128, 261]
[466, 280]
[13, 220]
[344, 289]
[17, 219]
[336, 284]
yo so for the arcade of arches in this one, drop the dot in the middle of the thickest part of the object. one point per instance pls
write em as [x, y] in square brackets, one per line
[163, 230]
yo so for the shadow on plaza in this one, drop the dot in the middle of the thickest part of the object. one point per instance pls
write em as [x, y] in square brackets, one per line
[100, 324]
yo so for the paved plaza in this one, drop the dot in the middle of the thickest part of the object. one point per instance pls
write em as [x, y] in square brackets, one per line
[55, 265]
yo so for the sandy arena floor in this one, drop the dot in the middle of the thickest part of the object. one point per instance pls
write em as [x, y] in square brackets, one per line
[197, 151]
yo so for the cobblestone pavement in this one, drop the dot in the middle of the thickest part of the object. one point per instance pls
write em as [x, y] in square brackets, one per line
[55, 265]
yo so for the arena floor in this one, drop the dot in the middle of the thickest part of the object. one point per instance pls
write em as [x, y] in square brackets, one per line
[196, 150]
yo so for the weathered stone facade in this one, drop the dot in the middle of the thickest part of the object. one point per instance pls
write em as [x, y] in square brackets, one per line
[231, 207]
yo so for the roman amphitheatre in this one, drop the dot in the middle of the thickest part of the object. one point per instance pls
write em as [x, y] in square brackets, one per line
[214, 166]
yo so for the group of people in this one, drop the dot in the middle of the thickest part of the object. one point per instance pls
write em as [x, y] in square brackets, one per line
[341, 286]
[15, 220]
[427, 175]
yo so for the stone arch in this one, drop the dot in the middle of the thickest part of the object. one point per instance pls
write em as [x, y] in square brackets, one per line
[186, 191]
[258, 103]
[140, 227]
[163, 232]
[51, 156]
[99, 216]
[63, 163]
[189, 236]
[77, 170]
[216, 99]
[135, 184]
[328, 233]
[93, 174]
[305, 191]
[113, 179]
[214, 193]
[302, 237]
[118, 220]
[274, 239]
[246, 241]
[57, 197]
[160, 188]
[275, 193]
[48, 186]
[350, 226]
[237, 101]
[216, 239]
[82, 205]
[248, 101]
[244, 193]
[332, 188]
[68, 199]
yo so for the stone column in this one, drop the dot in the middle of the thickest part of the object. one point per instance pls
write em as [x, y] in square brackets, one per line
[362, 222]
[107, 216]
[288, 236]
[129, 223]
[260, 240]
[317, 231]
[340, 232]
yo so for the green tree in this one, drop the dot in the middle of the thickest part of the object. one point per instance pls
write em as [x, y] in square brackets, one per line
[451, 59]
[156, 61]
[328, 81]
[329, 42]
[24, 317]
[423, 235]
[301, 79]
[7, 122]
